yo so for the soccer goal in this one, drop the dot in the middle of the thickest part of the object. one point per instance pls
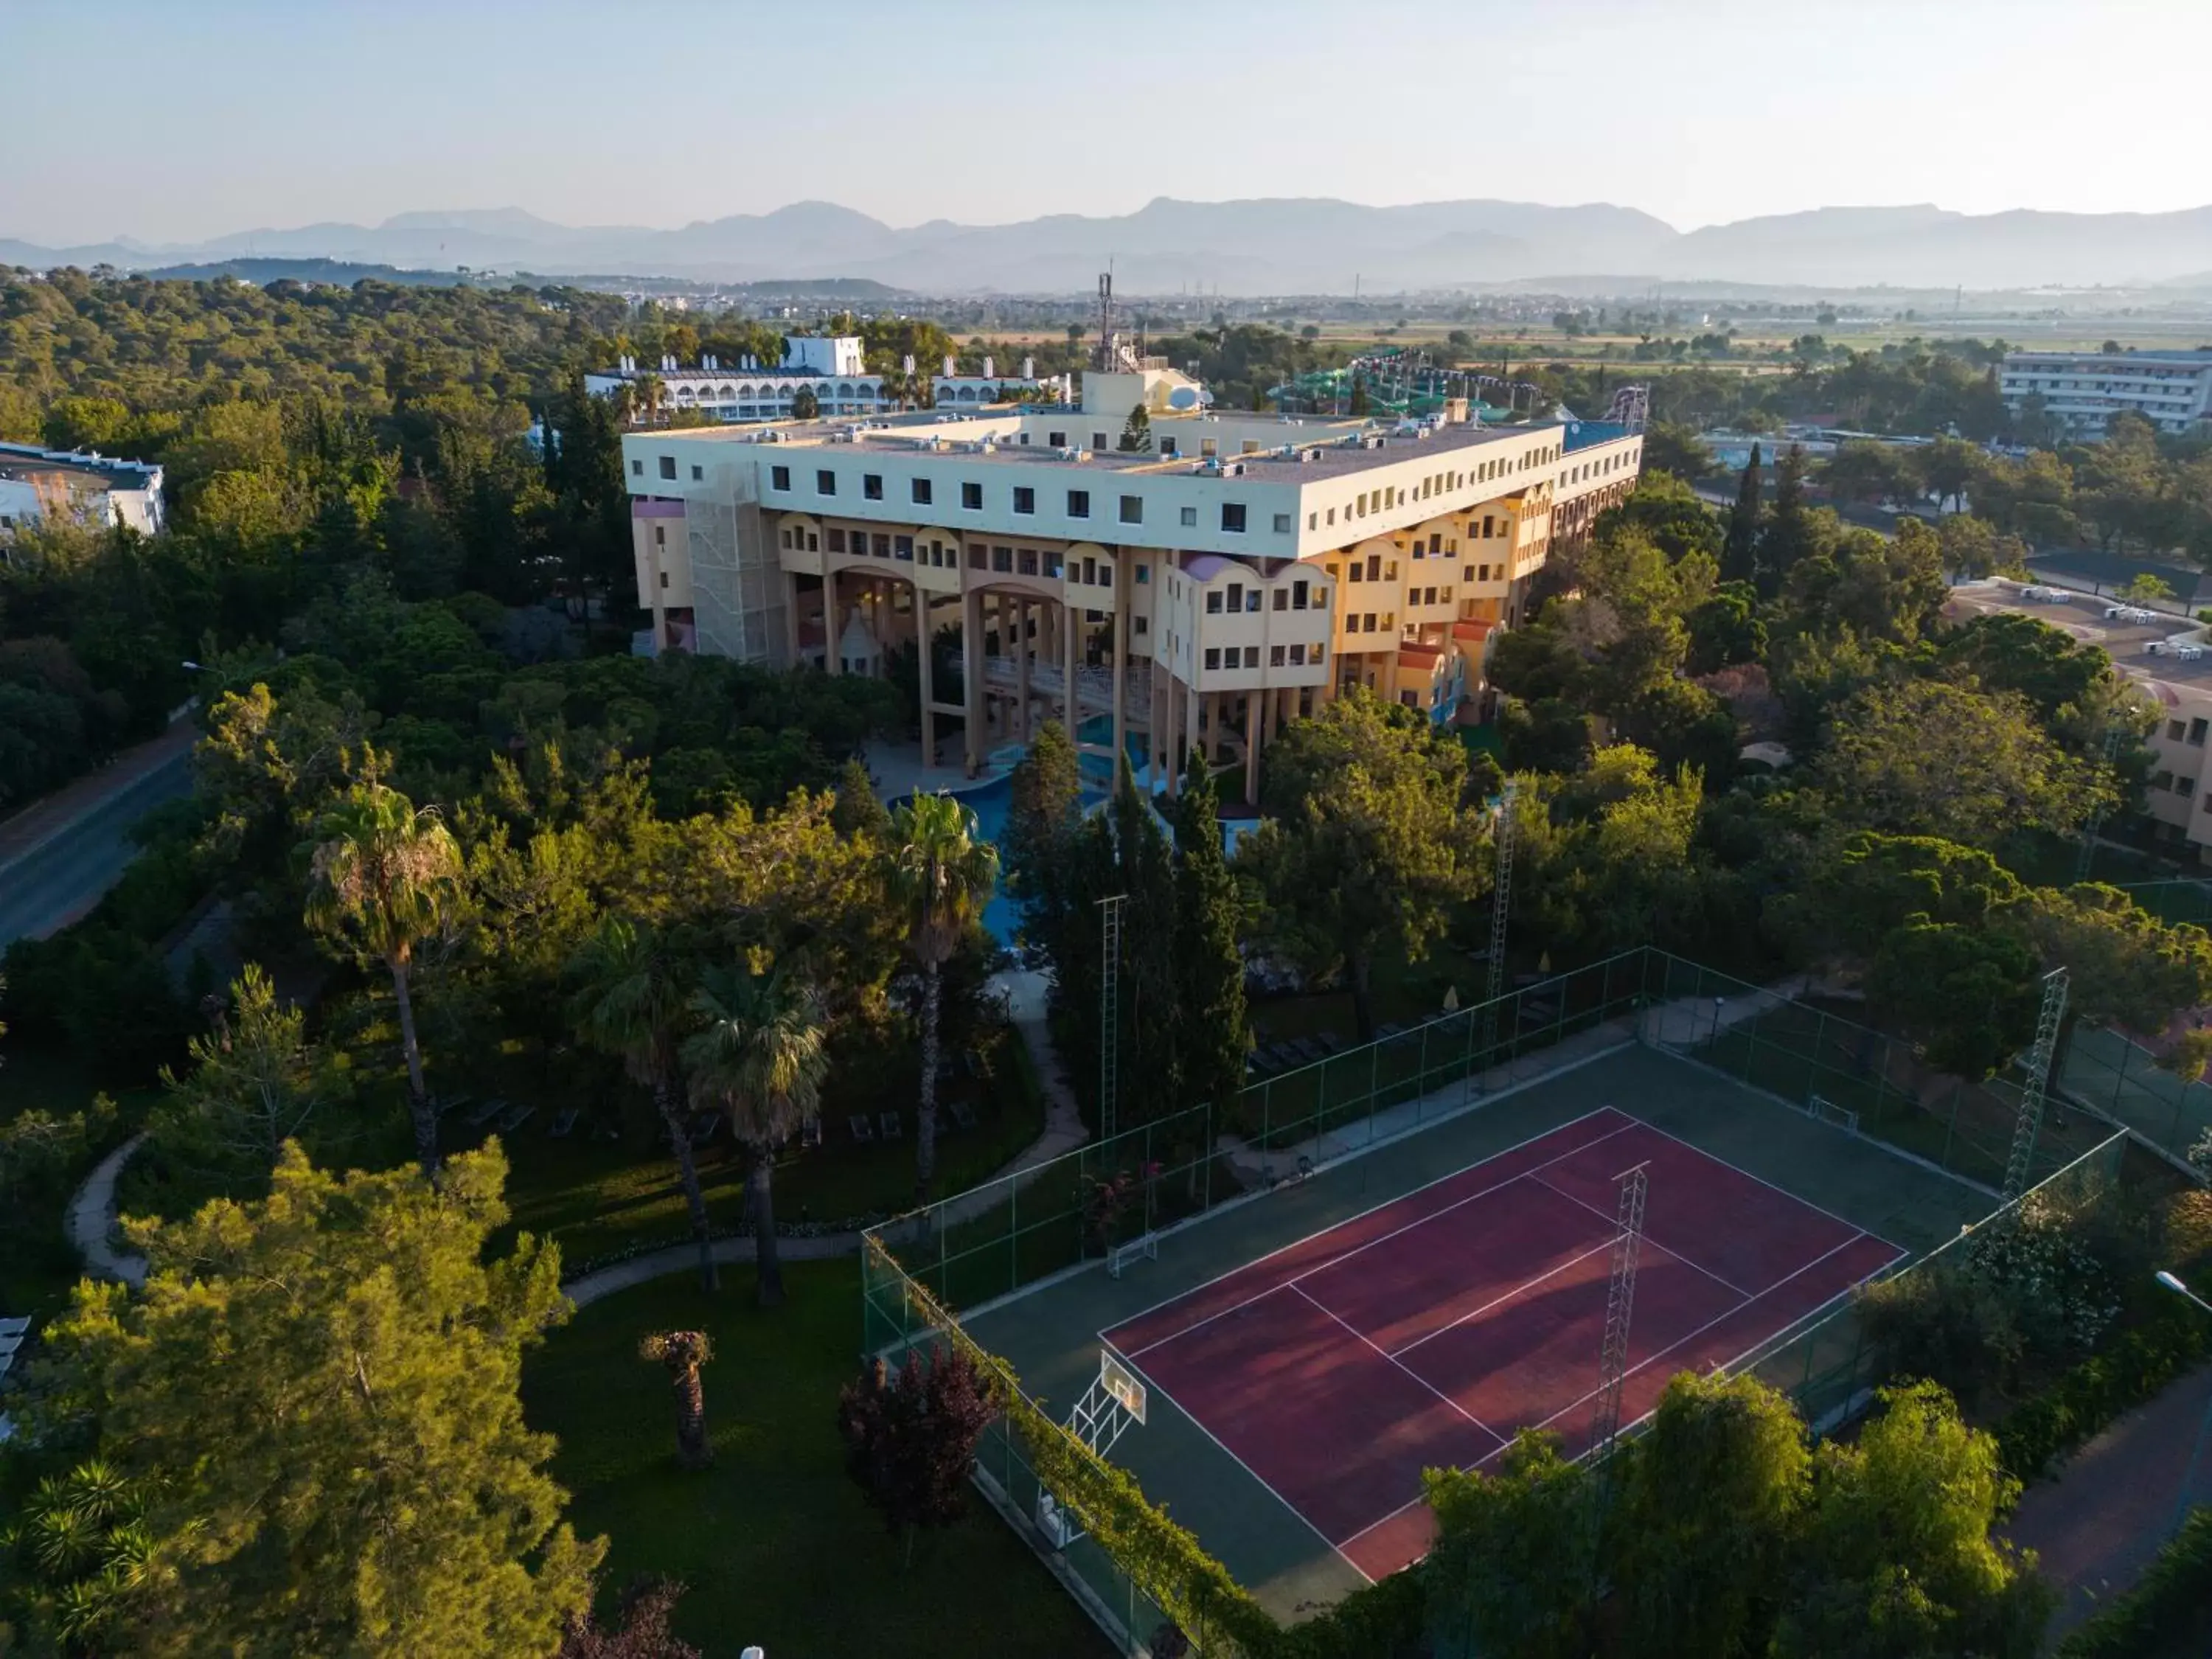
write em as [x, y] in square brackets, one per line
[1144, 1248]
[1828, 1111]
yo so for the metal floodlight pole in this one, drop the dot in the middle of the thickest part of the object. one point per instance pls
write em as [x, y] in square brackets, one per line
[2204, 1428]
[2113, 733]
[2020, 1167]
[1109, 1014]
[1501, 901]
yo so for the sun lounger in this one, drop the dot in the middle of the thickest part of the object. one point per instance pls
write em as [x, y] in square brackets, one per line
[892, 1126]
[563, 1124]
[863, 1130]
[515, 1116]
[963, 1114]
[486, 1111]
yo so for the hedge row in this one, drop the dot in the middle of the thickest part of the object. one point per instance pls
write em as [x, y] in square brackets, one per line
[2169, 1611]
[2171, 1343]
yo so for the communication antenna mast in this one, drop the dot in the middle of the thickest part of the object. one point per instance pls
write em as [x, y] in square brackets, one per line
[2082, 865]
[1619, 1307]
[2020, 1167]
[1501, 901]
[1109, 1014]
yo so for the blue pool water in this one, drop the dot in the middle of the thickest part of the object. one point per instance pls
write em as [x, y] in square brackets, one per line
[989, 802]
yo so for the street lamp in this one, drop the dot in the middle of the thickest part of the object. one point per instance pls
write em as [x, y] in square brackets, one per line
[2203, 1429]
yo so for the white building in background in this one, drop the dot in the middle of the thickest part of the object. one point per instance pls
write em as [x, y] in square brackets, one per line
[67, 486]
[1229, 575]
[832, 366]
[2082, 391]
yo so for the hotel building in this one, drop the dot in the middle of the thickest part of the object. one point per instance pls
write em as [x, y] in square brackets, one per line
[1227, 574]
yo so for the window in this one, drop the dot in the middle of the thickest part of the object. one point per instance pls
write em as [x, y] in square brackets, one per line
[1189, 518]
[1300, 595]
[872, 486]
[1208, 446]
[975, 558]
[1232, 518]
[1143, 628]
[919, 489]
[1029, 562]
[1297, 656]
[2197, 732]
[1315, 657]
[1099, 441]
[2184, 788]
[1282, 524]
[902, 547]
[1251, 656]
[637, 468]
[1332, 515]
[1213, 656]
[2162, 781]
[883, 544]
[1282, 599]
[1057, 439]
[664, 578]
[1144, 575]
[2173, 730]
[1375, 567]
[667, 466]
[825, 483]
[1252, 600]
[1078, 503]
[1358, 571]
[836, 539]
[971, 497]
[1002, 558]
[1168, 449]
[698, 473]
[1274, 656]
[1313, 520]
[1133, 509]
[1236, 596]
[1025, 499]
[1466, 573]
[660, 536]
[1214, 604]
[1409, 700]
[779, 478]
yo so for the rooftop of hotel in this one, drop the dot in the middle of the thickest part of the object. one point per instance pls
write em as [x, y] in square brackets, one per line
[2144, 651]
[16, 459]
[2198, 357]
[1293, 449]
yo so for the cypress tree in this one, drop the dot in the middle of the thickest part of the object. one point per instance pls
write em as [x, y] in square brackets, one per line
[1740, 551]
[1150, 1080]
[1788, 537]
[1043, 813]
[1210, 1038]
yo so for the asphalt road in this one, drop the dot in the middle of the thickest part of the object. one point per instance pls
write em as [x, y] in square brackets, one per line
[55, 883]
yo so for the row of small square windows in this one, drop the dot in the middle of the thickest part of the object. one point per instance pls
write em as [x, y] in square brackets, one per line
[1297, 656]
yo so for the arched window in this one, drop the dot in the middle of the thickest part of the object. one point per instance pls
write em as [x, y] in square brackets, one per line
[844, 389]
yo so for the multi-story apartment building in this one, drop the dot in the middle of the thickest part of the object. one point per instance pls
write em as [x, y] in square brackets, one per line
[2082, 391]
[2168, 659]
[1227, 575]
[831, 366]
[40, 486]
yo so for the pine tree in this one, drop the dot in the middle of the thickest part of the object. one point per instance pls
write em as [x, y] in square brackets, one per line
[1787, 535]
[1043, 814]
[1211, 1040]
[859, 811]
[1152, 1084]
[1740, 552]
[322, 1394]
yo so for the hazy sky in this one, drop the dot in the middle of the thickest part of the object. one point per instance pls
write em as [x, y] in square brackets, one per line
[170, 119]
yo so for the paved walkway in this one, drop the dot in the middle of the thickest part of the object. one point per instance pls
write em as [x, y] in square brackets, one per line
[91, 1219]
[2100, 1519]
[1063, 1132]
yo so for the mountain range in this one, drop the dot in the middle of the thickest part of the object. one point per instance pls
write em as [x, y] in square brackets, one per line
[1264, 246]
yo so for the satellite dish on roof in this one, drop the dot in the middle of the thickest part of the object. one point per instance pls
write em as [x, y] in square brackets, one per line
[1184, 397]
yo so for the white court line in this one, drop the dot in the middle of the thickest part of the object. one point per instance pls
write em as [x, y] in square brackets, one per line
[1764, 1181]
[1192, 1419]
[1669, 1250]
[1421, 1221]
[1655, 1358]
[1595, 1250]
[1420, 1381]
[1415, 1192]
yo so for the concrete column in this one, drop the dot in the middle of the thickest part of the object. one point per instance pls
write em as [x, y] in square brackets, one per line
[659, 604]
[929, 687]
[1121, 660]
[971, 676]
[1071, 658]
[830, 622]
[1022, 670]
[1252, 706]
[791, 617]
[1191, 696]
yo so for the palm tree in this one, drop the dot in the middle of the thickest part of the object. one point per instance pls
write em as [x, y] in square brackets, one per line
[651, 390]
[759, 1057]
[384, 875]
[632, 1001]
[683, 1352]
[941, 878]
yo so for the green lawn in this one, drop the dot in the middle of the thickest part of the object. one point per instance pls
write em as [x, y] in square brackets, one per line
[776, 1543]
[598, 1198]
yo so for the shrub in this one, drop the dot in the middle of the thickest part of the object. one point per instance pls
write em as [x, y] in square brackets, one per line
[2136, 1367]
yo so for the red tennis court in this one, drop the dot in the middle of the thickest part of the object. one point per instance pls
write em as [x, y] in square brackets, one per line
[1428, 1331]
